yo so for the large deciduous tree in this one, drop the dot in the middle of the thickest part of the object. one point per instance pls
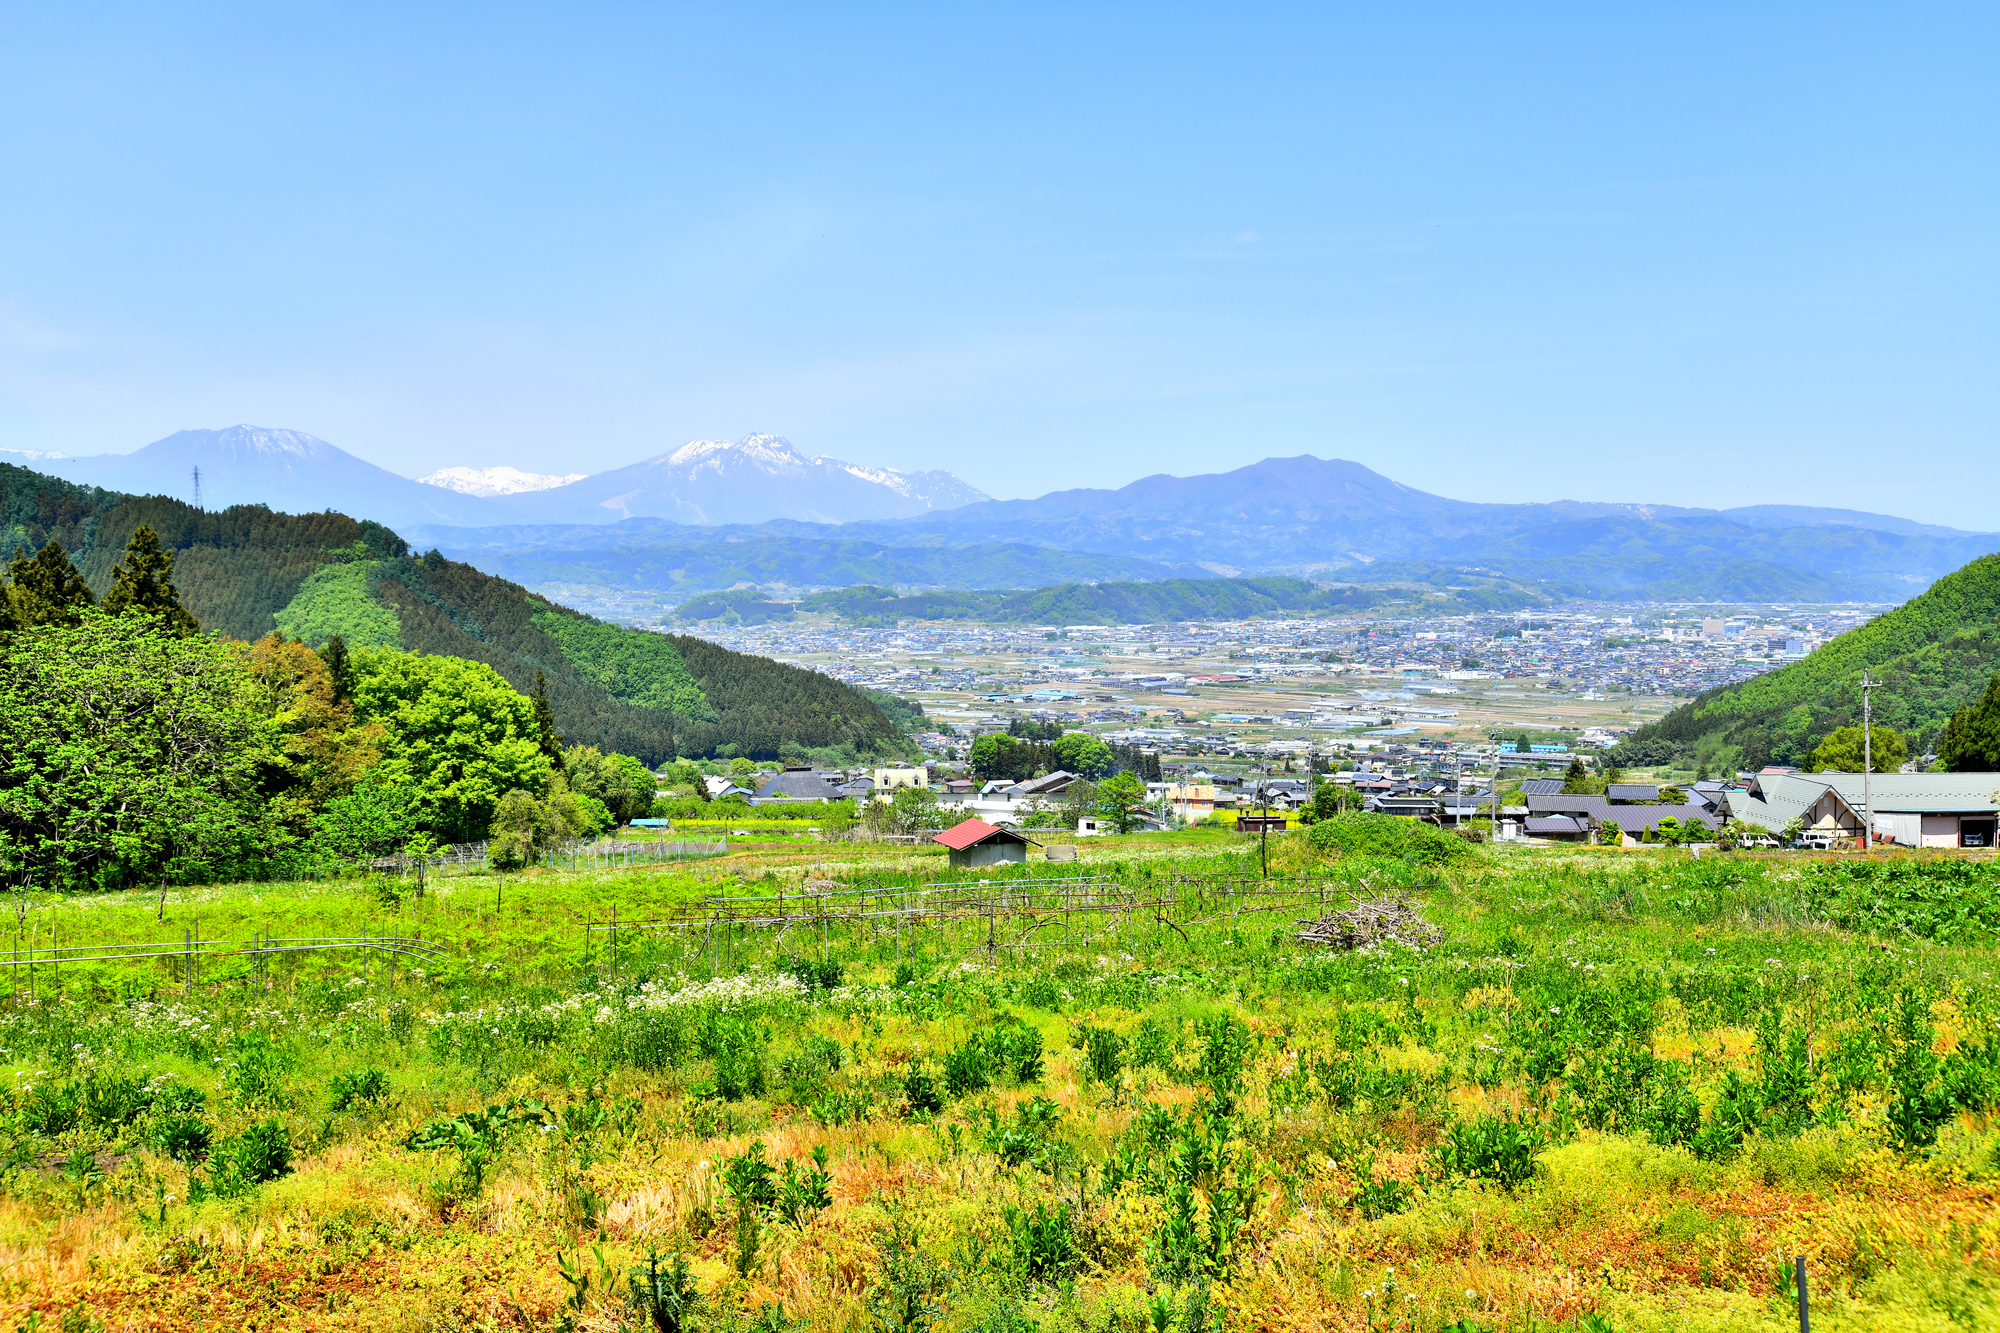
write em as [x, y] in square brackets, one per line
[623, 784]
[126, 753]
[1841, 751]
[455, 731]
[1082, 754]
[1119, 799]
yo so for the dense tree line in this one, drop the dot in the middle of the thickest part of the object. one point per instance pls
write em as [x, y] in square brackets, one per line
[764, 708]
[1152, 602]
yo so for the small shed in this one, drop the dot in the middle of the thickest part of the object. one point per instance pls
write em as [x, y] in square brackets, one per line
[977, 843]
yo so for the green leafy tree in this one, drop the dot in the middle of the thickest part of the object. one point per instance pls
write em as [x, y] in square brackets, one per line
[524, 826]
[520, 831]
[1840, 751]
[621, 783]
[47, 589]
[126, 754]
[997, 756]
[1120, 798]
[145, 582]
[907, 810]
[1082, 754]
[369, 821]
[455, 731]
[1971, 740]
[1329, 798]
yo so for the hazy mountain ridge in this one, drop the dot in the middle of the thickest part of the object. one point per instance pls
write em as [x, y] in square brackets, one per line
[752, 480]
[756, 479]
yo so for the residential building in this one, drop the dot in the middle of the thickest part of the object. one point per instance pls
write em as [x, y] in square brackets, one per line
[1909, 809]
[976, 843]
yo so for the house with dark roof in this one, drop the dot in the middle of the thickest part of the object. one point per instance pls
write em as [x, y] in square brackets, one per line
[1595, 812]
[1560, 828]
[800, 782]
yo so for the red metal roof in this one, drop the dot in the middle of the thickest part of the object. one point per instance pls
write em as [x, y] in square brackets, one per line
[975, 831]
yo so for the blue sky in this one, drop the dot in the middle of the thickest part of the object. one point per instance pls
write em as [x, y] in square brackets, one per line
[1703, 255]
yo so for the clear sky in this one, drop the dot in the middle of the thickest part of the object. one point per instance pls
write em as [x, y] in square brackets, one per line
[1703, 255]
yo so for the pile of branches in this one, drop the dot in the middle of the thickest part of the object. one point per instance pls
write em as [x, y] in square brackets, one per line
[1369, 922]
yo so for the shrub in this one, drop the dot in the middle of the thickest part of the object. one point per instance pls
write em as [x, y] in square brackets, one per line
[804, 1190]
[50, 1109]
[1103, 1052]
[815, 976]
[184, 1138]
[921, 1092]
[260, 1153]
[1497, 1148]
[1043, 1240]
[1355, 834]
[351, 1087]
[968, 1068]
[1382, 1198]
[662, 1296]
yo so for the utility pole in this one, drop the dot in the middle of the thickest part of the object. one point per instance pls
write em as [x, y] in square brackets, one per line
[1867, 764]
[1264, 824]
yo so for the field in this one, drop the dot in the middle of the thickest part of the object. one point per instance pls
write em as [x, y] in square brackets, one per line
[1622, 1091]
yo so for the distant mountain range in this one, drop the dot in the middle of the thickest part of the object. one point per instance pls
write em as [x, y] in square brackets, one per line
[752, 480]
[713, 515]
[1329, 520]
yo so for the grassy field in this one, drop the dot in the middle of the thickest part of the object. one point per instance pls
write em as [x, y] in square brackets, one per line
[1621, 1092]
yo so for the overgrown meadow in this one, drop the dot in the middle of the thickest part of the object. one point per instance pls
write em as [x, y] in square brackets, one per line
[1624, 1092]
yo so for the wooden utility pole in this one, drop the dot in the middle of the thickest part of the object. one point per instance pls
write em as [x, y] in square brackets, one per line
[1867, 766]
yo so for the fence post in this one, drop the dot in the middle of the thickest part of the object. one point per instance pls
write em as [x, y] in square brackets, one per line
[1799, 1278]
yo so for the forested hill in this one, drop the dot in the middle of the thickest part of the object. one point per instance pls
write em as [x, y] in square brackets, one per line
[1933, 654]
[1138, 603]
[648, 695]
[235, 568]
[246, 570]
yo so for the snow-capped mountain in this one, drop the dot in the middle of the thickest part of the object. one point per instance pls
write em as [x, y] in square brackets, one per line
[495, 480]
[750, 480]
[288, 470]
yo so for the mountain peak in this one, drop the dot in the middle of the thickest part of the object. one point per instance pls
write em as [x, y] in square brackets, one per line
[495, 480]
[750, 480]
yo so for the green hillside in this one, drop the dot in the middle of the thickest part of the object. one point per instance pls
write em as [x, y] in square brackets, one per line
[247, 570]
[1933, 654]
[648, 695]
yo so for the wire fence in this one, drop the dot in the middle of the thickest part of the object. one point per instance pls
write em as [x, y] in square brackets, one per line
[605, 854]
[26, 966]
[974, 915]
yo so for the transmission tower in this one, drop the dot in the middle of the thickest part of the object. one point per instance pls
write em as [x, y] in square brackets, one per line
[197, 488]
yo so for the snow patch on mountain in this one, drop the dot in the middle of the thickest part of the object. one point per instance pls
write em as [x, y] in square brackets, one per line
[496, 480]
